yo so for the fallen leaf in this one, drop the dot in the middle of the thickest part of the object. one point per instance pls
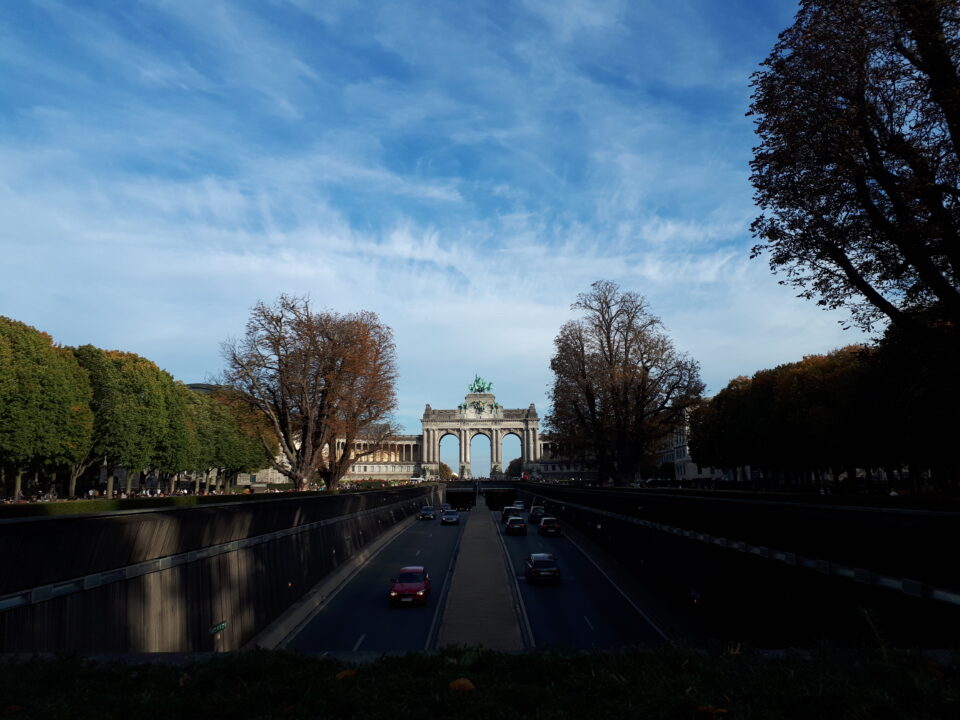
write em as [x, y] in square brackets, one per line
[707, 712]
[185, 680]
[462, 685]
[345, 674]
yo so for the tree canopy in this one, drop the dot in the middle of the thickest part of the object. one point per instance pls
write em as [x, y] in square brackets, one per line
[322, 381]
[65, 410]
[858, 113]
[619, 384]
[45, 415]
[891, 405]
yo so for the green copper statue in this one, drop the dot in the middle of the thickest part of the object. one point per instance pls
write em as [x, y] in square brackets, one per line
[479, 385]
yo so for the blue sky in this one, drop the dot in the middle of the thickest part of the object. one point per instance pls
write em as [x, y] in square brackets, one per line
[463, 169]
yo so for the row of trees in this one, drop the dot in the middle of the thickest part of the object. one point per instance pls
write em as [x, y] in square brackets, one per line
[620, 386]
[891, 407]
[65, 411]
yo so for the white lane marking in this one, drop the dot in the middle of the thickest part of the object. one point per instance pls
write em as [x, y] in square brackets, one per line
[418, 554]
[590, 624]
[359, 642]
[626, 597]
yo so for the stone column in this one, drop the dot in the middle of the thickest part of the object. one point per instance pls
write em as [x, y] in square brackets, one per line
[535, 445]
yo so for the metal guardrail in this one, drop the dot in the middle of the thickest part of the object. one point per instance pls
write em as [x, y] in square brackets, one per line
[913, 588]
[95, 580]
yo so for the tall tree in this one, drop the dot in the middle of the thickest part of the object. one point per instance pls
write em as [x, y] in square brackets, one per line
[619, 384]
[129, 408]
[178, 442]
[322, 381]
[45, 418]
[242, 439]
[858, 168]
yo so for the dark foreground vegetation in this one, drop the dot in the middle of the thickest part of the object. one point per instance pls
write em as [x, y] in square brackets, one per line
[464, 683]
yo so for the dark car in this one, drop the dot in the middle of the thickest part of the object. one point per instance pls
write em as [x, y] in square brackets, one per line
[427, 513]
[537, 513]
[542, 567]
[516, 526]
[449, 517]
[444, 506]
[549, 526]
[410, 586]
[509, 512]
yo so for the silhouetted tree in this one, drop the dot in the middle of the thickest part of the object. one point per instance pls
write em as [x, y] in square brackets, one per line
[858, 113]
[619, 384]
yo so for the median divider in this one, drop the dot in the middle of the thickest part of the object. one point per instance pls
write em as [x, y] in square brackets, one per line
[480, 608]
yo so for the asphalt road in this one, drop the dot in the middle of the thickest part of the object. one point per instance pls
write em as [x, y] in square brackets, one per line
[359, 617]
[584, 610]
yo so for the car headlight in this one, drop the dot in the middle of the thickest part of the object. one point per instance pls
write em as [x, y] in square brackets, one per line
[420, 592]
[393, 593]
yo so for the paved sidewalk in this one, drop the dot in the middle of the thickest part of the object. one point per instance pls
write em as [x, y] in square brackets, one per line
[480, 606]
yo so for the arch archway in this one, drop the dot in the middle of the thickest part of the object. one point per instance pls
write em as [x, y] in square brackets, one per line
[511, 448]
[481, 454]
[450, 450]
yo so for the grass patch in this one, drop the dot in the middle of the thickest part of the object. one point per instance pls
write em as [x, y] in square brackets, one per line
[826, 683]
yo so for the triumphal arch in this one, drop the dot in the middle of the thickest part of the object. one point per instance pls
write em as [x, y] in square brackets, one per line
[479, 414]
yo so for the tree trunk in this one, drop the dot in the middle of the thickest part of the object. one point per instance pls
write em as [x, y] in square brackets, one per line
[128, 488]
[109, 493]
[196, 483]
[17, 485]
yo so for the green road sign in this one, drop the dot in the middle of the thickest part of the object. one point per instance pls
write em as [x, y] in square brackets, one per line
[219, 627]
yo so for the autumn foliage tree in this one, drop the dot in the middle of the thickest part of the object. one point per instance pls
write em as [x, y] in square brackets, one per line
[322, 381]
[619, 383]
[858, 167]
[855, 411]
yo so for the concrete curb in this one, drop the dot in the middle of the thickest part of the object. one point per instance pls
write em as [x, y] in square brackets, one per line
[278, 633]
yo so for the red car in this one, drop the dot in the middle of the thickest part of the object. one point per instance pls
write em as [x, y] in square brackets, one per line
[410, 586]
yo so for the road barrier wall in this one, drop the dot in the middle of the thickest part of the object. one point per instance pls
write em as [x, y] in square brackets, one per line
[746, 571]
[188, 580]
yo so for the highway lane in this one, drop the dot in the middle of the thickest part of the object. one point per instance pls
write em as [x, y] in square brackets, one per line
[584, 610]
[360, 619]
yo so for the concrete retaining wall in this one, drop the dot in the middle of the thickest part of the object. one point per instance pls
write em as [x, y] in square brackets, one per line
[162, 580]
